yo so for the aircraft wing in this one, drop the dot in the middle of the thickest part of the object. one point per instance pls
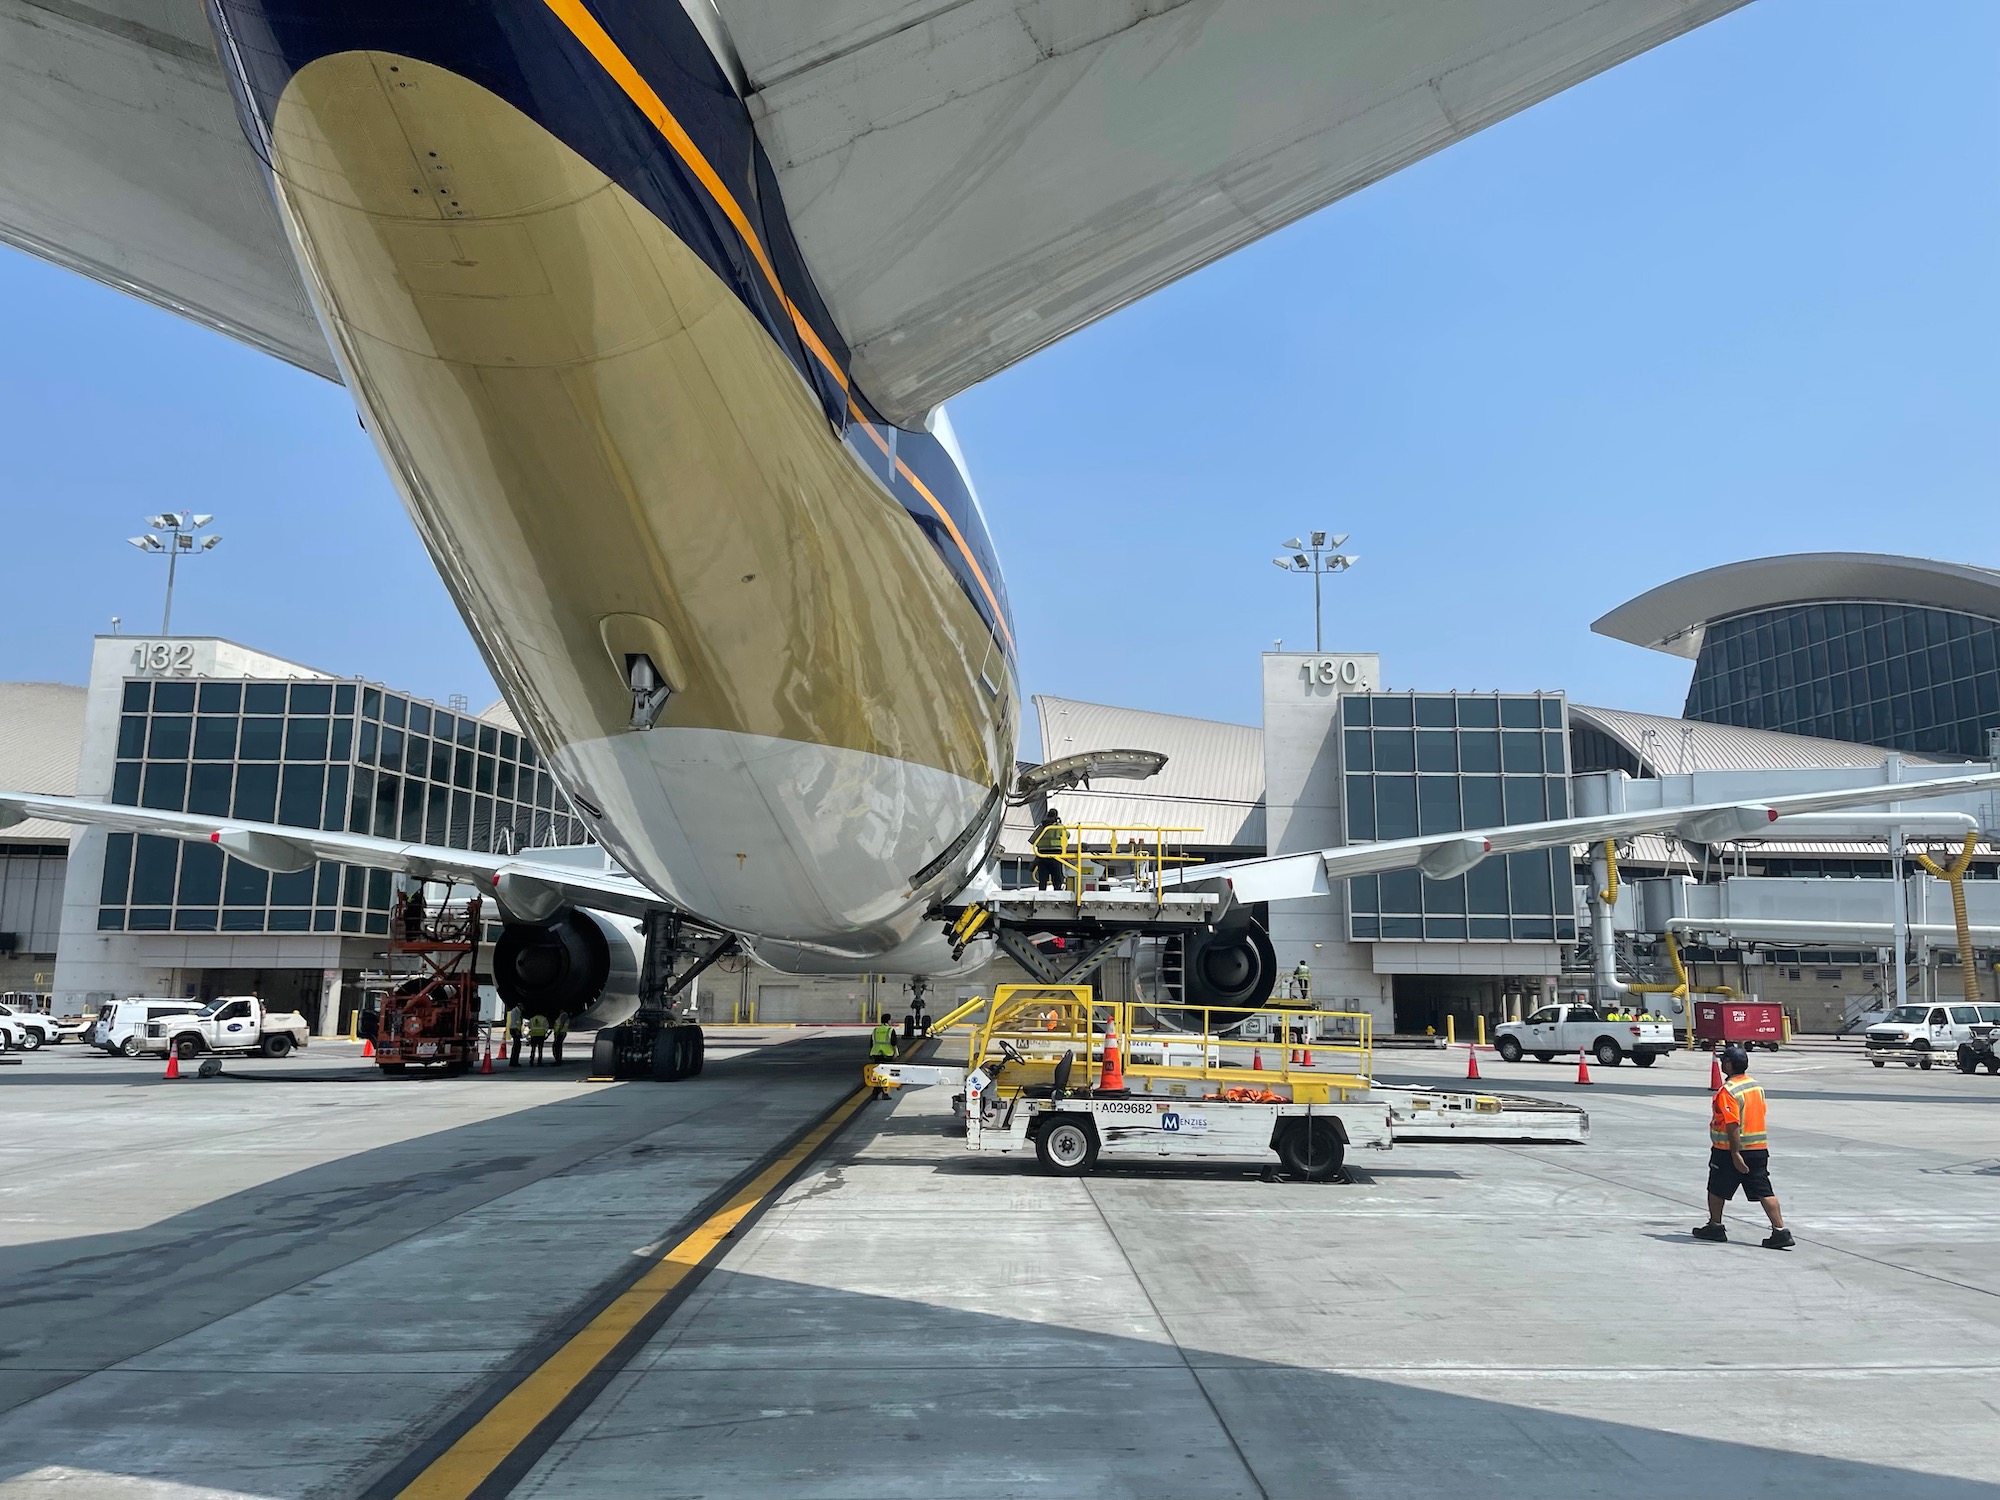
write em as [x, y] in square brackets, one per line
[1289, 877]
[970, 180]
[528, 888]
[121, 157]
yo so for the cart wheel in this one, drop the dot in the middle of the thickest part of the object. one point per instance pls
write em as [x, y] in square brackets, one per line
[1925, 1064]
[1314, 1155]
[1067, 1146]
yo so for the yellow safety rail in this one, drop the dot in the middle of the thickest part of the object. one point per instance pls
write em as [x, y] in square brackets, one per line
[1953, 875]
[1043, 1021]
[1137, 852]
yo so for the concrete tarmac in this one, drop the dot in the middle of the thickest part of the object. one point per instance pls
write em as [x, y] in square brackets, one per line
[1475, 1320]
[265, 1289]
[275, 1283]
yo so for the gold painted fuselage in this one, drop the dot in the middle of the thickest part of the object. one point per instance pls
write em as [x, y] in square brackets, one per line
[605, 451]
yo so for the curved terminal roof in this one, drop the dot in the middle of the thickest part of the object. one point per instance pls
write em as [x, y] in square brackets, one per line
[41, 740]
[1674, 616]
[1674, 747]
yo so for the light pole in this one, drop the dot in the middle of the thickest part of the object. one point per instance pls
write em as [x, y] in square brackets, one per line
[1325, 557]
[173, 535]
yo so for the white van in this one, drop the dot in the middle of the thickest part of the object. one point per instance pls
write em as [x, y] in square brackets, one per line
[121, 1026]
[1913, 1033]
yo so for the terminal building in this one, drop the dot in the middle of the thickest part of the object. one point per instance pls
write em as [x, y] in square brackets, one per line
[1812, 672]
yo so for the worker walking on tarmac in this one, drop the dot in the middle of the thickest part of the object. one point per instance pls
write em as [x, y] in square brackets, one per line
[538, 1033]
[1302, 980]
[1050, 839]
[515, 1022]
[1739, 1152]
[882, 1048]
[557, 1033]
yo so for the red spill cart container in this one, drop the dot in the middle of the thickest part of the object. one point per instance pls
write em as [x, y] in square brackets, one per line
[1754, 1023]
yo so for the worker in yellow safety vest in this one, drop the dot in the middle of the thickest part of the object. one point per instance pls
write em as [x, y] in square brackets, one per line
[1739, 1151]
[1050, 839]
[558, 1032]
[1302, 980]
[515, 1022]
[538, 1033]
[882, 1048]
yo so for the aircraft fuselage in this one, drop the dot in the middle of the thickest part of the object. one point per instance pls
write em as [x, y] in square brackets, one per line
[554, 266]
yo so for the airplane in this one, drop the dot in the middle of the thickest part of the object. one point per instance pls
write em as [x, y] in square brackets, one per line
[651, 308]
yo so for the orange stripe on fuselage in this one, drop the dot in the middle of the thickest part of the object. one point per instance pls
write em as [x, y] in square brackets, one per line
[586, 29]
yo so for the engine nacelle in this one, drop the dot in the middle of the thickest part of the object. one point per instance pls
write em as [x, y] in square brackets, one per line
[579, 960]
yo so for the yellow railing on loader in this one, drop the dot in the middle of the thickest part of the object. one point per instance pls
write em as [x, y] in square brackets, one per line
[1138, 854]
[1202, 1057]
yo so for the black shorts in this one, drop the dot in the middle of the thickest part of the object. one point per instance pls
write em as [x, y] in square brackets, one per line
[1724, 1179]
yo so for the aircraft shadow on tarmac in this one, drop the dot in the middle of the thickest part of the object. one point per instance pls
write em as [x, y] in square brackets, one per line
[762, 1386]
[758, 1384]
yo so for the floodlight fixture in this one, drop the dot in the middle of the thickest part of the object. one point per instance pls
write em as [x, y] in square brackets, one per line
[174, 533]
[1323, 559]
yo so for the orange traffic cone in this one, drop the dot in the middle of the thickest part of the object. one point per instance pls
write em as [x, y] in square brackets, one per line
[1472, 1060]
[1113, 1074]
[1309, 1059]
[173, 1063]
[1582, 1066]
[1714, 1072]
[1257, 1060]
[367, 1047]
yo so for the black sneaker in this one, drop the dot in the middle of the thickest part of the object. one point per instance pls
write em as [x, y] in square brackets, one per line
[1711, 1232]
[1780, 1239]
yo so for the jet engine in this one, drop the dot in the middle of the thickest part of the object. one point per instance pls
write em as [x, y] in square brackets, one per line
[1231, 966]
[577, 961]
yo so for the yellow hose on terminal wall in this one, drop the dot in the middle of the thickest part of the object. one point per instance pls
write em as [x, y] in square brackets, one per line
[1953, 875]
[1610, 891]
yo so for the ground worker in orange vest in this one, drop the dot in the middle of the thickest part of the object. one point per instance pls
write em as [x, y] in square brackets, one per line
[1739, 1154]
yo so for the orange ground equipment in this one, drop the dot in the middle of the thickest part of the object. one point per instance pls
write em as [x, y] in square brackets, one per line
[430, 1014]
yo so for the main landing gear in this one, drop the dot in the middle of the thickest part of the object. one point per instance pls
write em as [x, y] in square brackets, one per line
[661, 1041]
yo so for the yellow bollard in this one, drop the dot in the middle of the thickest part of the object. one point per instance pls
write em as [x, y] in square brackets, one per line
[1451, 1029]
[354, 1026]
[1482, 1030]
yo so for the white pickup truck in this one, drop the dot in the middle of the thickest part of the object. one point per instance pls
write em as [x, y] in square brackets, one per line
[229, 1023]
[1581, 1028]
[31, 1027]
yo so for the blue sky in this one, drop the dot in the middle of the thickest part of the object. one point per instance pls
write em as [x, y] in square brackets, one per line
[1736, 297]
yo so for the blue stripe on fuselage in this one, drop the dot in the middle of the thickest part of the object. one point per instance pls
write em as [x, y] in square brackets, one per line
[520, 51]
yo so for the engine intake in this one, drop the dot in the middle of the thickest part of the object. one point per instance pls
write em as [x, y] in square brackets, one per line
[574, 961]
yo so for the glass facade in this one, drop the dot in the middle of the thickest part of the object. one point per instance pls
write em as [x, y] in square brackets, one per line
[1417, 763]
[1896, 675]
[338, 755]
